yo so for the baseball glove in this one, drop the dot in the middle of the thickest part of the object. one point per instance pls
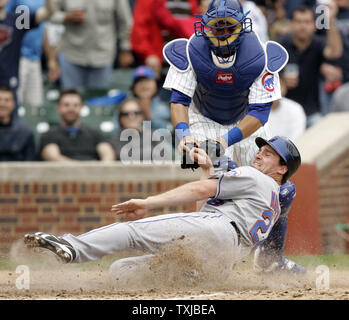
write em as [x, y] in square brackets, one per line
[188, 163]
[212, 147]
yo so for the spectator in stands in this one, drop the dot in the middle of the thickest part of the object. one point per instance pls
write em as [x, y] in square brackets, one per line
[340, 98]
[89, 41]
[287, 117]
[342, 20]
[30, 90]
[291, 5]
[343, 26]
[306, 54]
[145, 89]
[135, 140]
[278, 21]
[16, 139]
[259, 20]
[336, 72]
[71, 140]
[157, 22]
[11, 36]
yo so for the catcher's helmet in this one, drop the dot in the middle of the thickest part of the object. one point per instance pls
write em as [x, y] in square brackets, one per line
[222, 25]
[286, 150]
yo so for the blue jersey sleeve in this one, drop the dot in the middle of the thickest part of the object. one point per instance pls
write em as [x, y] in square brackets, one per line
[179, 97]
[260, 111]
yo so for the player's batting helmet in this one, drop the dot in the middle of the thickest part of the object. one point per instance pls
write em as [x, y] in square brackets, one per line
[286, 150]
[222, 25]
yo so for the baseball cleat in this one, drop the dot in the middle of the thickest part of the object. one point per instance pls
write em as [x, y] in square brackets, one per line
[62, 248]
[289, 265]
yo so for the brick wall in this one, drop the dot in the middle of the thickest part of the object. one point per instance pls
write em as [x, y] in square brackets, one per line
[77, 197]
[326, 145]
[77, 205]
[334, 202]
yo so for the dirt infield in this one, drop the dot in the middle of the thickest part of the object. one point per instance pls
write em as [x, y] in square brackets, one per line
[56, 281]
[46, 278]
[67, 283]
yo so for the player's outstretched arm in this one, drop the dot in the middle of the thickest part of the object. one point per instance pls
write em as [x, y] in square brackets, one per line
[190, 192]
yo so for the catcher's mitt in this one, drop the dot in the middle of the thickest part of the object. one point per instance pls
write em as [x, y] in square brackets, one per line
[188, 163]
[212, 147]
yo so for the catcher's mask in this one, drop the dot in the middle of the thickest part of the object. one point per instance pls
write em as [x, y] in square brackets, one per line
[222, 25]
[287, 151]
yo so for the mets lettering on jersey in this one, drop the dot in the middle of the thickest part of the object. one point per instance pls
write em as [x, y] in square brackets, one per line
[275, 205]
[268, 82]
[235, 172]
[223, 77]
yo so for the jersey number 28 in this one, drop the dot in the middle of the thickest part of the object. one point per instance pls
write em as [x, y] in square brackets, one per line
[261, 226]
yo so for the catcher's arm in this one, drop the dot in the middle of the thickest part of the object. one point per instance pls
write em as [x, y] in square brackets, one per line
[180, 120]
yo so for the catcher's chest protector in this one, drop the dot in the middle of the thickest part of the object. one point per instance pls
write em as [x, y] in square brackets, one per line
[249, 64]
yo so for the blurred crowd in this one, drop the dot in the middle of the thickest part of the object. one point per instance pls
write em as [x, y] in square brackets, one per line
[77, 46]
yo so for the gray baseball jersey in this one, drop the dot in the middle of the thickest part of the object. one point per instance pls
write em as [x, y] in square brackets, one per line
[250, 199]
[244, 196]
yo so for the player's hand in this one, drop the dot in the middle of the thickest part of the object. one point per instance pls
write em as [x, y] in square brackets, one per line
[186, 143]
[199, 156]
[133, 209]
[184, 148]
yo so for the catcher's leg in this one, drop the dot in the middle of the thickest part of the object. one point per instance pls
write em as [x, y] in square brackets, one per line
[268, 255]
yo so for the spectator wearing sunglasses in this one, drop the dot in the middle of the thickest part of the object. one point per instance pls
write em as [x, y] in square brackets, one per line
[145, 89]
[136, 139]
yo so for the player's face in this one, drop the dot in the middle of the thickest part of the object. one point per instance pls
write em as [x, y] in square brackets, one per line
[223, 30]
[69, 108]
[7, 104]
[268, 162]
